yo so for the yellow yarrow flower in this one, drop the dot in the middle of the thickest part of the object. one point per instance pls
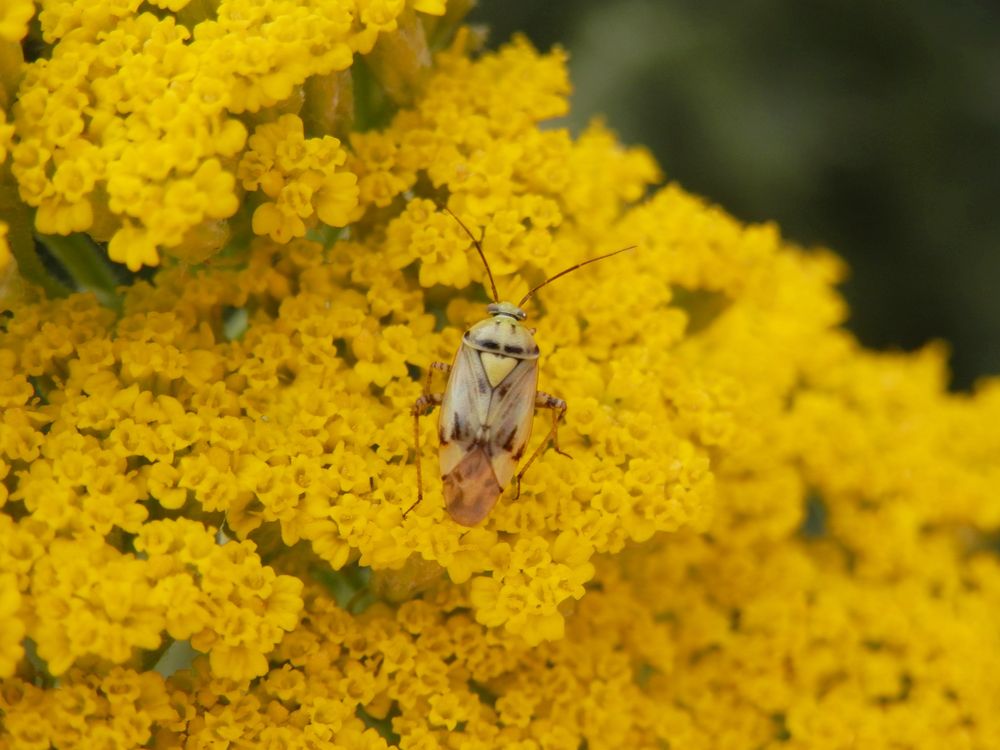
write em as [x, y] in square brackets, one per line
[298, 175]
[767, 534]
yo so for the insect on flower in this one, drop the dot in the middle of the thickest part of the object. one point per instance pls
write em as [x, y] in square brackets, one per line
[488, 405]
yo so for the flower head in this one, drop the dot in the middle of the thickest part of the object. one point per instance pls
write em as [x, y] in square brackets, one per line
[767, 534]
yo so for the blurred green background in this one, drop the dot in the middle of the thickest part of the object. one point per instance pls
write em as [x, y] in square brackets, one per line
[871, 128]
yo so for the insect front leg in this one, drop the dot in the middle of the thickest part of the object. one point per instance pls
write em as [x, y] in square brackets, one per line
[558, 408]
[421, 406]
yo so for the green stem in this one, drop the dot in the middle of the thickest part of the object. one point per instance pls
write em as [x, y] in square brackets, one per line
[84, 260]
[372, 108]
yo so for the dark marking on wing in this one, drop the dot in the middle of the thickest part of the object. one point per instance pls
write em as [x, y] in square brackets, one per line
[520, 452]
[503, 389]
[456, 428]
[508, 443]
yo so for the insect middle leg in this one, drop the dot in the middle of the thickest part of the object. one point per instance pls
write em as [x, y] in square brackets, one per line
[421, 406]
[558, 407]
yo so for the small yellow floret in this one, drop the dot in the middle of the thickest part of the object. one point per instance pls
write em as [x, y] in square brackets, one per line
[14, 17]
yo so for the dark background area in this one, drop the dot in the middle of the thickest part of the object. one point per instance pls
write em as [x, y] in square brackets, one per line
[870, 128]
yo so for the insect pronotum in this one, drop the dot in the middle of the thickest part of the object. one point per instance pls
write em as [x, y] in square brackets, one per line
[488, 405]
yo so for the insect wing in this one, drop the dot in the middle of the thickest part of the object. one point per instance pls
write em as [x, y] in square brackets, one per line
[471, 488]
[464, 408]
[510, 415]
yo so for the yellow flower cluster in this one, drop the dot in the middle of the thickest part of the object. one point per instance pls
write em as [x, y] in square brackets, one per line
[131, 130]
[425, 672]
[297, 174]
[766, 534]
[117, 709]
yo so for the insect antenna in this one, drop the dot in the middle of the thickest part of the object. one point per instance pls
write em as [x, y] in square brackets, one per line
[571, 269]
[479, 247]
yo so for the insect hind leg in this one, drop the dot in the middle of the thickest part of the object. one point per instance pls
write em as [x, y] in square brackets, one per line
[558, 408]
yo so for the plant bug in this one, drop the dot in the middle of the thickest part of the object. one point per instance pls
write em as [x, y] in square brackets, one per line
[488, 404]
